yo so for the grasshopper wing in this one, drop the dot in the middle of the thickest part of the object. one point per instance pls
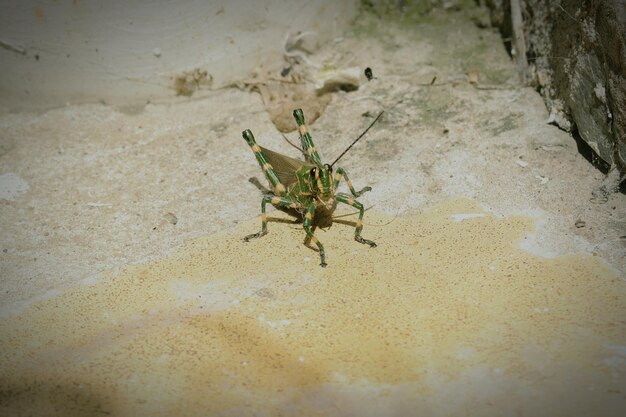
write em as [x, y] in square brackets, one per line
[284, 166]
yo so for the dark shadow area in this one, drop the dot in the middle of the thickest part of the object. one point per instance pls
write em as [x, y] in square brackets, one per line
[47, 398]
[589, 154]
[284, 221]
[270, 364]
[255, 181]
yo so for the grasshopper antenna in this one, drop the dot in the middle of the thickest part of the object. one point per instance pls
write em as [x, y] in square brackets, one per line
[295, 146]
[357, 139]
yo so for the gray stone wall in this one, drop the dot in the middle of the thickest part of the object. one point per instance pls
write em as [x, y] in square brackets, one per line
[576, 53]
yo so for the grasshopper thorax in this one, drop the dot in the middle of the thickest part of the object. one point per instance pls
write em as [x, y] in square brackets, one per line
[321, 183]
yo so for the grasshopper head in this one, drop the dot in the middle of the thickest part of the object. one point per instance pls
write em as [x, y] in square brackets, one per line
[322, 184]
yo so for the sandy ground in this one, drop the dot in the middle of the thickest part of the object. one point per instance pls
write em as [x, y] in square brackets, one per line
[497, 283]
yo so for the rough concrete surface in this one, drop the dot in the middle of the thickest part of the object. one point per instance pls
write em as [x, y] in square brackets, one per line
[497, 286]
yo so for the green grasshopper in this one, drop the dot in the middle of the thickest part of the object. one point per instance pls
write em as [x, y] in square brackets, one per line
[305, 185]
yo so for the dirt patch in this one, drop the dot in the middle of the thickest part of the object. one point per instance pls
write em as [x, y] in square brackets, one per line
[447, 299]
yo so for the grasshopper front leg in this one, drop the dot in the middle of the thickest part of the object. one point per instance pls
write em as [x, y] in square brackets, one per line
[346, 199]
[339, 174]
[308, 220]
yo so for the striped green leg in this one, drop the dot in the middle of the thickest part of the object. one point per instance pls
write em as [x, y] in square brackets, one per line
[346, 199]
[279, 198]
[268, 169]
[305, 138]
[339, 174]
[276, 201]
[308, 220]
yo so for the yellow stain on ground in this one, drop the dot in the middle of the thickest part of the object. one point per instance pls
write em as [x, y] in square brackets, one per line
[447, 316]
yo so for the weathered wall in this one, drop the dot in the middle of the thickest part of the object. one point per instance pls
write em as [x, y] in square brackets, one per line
[577, 59]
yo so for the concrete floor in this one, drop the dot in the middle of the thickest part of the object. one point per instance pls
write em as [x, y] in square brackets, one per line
[497, 286]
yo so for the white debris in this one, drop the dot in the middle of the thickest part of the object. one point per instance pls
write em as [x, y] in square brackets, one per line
[274, 324]
[521, 163]
[542, 179]
[464, 216]
[600, 92]
[559, 118]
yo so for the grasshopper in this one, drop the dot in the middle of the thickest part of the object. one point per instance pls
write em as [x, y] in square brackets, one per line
[306, 185]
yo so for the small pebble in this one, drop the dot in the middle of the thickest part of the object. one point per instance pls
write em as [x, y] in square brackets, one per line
[580, 223]
[171, 217]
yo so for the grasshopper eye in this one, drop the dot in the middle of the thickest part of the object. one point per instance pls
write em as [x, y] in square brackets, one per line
[312, 172]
